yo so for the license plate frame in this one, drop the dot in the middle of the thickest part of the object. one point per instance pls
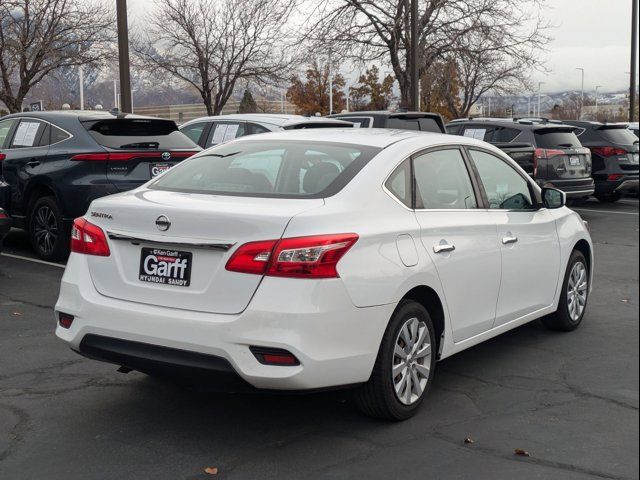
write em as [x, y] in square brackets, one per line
[161, 266]
[156, 169]
[575, 161]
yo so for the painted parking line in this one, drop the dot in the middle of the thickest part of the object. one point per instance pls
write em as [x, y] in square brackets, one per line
[34, 260]
[604, 211]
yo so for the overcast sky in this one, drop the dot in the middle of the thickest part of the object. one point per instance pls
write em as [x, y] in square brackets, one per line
[592, 34]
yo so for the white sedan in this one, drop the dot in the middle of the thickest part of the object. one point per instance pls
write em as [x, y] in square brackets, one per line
[324, 258]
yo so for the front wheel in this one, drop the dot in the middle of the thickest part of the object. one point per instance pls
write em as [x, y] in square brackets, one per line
[404, 368]
[573, 300]
[47, 233]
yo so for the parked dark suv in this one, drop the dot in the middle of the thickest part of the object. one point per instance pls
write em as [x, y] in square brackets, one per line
[53, 164]
[423, 121]
[556, 157]
[614, 152]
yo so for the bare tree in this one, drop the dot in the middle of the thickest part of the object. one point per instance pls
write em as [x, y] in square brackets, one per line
[212, 45]
[38, 37]
[366, 30]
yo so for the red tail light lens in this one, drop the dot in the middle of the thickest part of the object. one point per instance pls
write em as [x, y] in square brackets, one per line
[614, 177]
[88, 239]
[300, 257]
[3, 215]
[251, 257]
[608, 151]
[126, 156]
[547, 153]
[2, 156]
[65, 320]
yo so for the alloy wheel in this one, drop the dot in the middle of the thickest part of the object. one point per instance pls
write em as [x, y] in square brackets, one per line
[577, 287]
[45, 229]
[411, 361]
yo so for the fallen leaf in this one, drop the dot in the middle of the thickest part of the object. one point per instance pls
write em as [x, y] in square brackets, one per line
[17, 314]
[625, 300]
[468, 440]
[521, 452]
[211, 470]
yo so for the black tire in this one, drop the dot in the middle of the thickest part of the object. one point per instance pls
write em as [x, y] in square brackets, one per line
[609, 197]
[377, 398]
[561, 320]
[47, 233]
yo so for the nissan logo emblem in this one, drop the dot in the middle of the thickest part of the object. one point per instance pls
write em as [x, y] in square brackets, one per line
[166, 155]
[163, 223]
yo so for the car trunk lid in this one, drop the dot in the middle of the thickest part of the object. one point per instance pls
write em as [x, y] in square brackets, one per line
[170, 249]
[566, 157]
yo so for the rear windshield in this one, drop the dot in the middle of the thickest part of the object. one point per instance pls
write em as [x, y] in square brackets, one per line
[358, 122]
[288, 169]
[621, 136]
[124, 133]
[424, 124]
[556, 138]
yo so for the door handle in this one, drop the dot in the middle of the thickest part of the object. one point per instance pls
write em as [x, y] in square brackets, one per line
[33, 163]
[509, 239]
[443, 248]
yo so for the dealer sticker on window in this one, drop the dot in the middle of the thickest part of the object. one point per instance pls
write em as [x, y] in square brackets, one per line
[165, 267]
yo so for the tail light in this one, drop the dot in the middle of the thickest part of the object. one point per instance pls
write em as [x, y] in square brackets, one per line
[614, 177]
[2, 156]
[608, 151]
[65, 320]
[126, 156]
[299, 257]
[274, 356]
[547, 153]
[88, 239]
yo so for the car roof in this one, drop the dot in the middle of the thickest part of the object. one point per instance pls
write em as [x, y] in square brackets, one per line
[81, 115]
[372, 137]
[521, 123]
[279, 120]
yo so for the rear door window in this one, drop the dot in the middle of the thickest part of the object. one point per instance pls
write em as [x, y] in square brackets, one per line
[254, 128]
[399, 183]
[133, 134]
[28, 134]
[194, 131]
[222, 132]
[289, 169]
[556, 138]
[358, 122]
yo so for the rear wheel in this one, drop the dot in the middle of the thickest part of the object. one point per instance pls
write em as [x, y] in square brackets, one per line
[47, 233]
[404, 368]
[609, 197]
[575, 293]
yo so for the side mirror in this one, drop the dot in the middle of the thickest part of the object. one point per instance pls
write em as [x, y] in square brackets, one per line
[553, 198]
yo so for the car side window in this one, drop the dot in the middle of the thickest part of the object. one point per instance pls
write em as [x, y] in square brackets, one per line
[506, 189]
[224, 131]
[442, 181]
[57, 135]
[254, 128]
[194, 131]
[5, 128]
[399, 183]
[28, 134]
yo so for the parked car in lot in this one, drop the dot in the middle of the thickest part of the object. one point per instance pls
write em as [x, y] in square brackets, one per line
[633, 126]
[53, 164]
[558, 159]
[210, 131]
[614, 153]
[324, 258]
[5, 226]
[423, 121]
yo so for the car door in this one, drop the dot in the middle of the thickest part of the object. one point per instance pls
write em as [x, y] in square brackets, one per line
[527, 236]
[23, 159]
[224, 131]
[459, 237]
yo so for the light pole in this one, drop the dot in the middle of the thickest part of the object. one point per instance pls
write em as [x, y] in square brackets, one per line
[597, 87]
[634, 59]
[330, 87]
[581, 92]
[529, 108]
[539, 85]
[414, 94]
[123, 56]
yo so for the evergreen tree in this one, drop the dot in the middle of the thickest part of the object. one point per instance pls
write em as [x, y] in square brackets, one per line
[247, 104]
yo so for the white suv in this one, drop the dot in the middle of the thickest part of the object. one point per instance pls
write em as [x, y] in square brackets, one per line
[324, 258]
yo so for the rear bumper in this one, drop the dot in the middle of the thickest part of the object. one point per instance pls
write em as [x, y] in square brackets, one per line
[575, 188]
[627, 184]
[335, 342]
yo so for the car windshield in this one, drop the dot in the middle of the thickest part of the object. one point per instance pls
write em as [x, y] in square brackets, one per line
[288, 169]
[619, 135]
[556, 138]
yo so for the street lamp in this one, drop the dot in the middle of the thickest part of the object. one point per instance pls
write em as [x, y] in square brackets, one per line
[581, 92]
[539, 85]
[597, 87]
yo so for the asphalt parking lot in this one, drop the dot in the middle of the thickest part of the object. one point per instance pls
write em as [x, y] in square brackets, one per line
[569, 400]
